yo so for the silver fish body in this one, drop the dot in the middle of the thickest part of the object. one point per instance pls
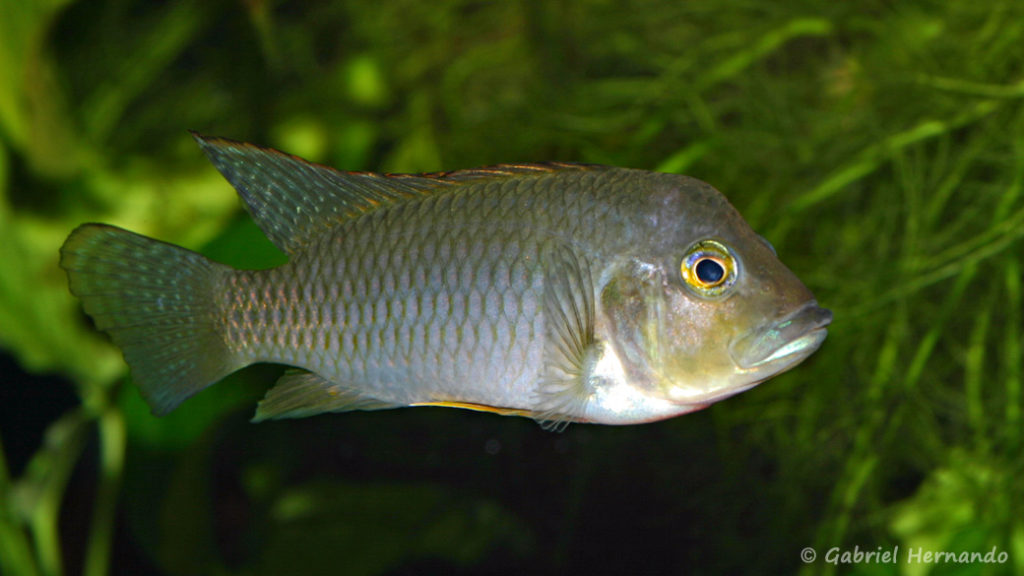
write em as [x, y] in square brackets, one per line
[560, 292]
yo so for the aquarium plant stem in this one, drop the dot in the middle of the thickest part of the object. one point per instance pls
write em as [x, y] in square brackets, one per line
[15, 550]
[112, 450]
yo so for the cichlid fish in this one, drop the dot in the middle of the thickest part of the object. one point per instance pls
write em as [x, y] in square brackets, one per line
[561, 292]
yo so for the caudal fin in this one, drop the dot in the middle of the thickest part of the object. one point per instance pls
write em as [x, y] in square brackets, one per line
[156, 301]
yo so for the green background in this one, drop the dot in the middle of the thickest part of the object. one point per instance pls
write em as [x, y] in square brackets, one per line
[878, 145]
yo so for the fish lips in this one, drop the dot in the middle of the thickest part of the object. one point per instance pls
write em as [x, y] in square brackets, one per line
[780, 345]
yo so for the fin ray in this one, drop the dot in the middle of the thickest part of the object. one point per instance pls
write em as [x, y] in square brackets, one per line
[299, 393]
[155, 301]
[292, 200]
[569, 318]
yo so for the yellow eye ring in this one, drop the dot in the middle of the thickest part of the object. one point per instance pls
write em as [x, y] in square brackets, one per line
[709, 268]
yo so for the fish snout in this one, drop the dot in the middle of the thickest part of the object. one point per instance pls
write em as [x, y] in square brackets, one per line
[783, 343]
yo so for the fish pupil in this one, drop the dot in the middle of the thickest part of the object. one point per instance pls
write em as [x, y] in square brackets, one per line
[709, 271]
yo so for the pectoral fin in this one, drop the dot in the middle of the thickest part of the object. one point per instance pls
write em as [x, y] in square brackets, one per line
[570, 347]
[299, 394]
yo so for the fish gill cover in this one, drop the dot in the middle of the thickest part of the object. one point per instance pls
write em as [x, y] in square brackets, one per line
[876, 146]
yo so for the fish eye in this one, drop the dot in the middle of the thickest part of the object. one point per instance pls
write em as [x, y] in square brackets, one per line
[709, 271]
[709, 268]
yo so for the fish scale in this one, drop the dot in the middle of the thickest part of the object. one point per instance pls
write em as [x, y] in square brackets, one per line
[472, 329]
[560, 292]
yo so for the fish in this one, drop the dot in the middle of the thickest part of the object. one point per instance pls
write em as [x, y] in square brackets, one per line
[555, 291]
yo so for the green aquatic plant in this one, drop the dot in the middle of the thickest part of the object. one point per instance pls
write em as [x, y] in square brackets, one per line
[878, 146]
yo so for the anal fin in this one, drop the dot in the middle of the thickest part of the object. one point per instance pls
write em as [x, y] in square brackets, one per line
[300, 393]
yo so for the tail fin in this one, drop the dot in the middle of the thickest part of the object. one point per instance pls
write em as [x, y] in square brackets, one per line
[157, 303]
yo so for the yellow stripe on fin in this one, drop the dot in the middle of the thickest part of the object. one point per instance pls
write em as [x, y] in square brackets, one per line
[479, 408]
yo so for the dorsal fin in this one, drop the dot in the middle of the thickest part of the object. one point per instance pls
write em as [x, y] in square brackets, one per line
[511, 171]
[293, 200]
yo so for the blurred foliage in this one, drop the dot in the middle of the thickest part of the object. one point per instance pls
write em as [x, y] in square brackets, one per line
[879, 146]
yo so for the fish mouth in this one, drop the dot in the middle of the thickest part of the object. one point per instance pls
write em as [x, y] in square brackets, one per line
[783, 344]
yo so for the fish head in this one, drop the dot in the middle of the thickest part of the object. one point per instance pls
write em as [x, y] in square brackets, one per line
[703, 308]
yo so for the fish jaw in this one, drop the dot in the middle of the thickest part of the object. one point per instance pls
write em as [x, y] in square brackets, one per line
[755, 356]
[778, 346]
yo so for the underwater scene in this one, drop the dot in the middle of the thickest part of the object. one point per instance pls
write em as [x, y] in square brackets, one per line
[694, 417]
